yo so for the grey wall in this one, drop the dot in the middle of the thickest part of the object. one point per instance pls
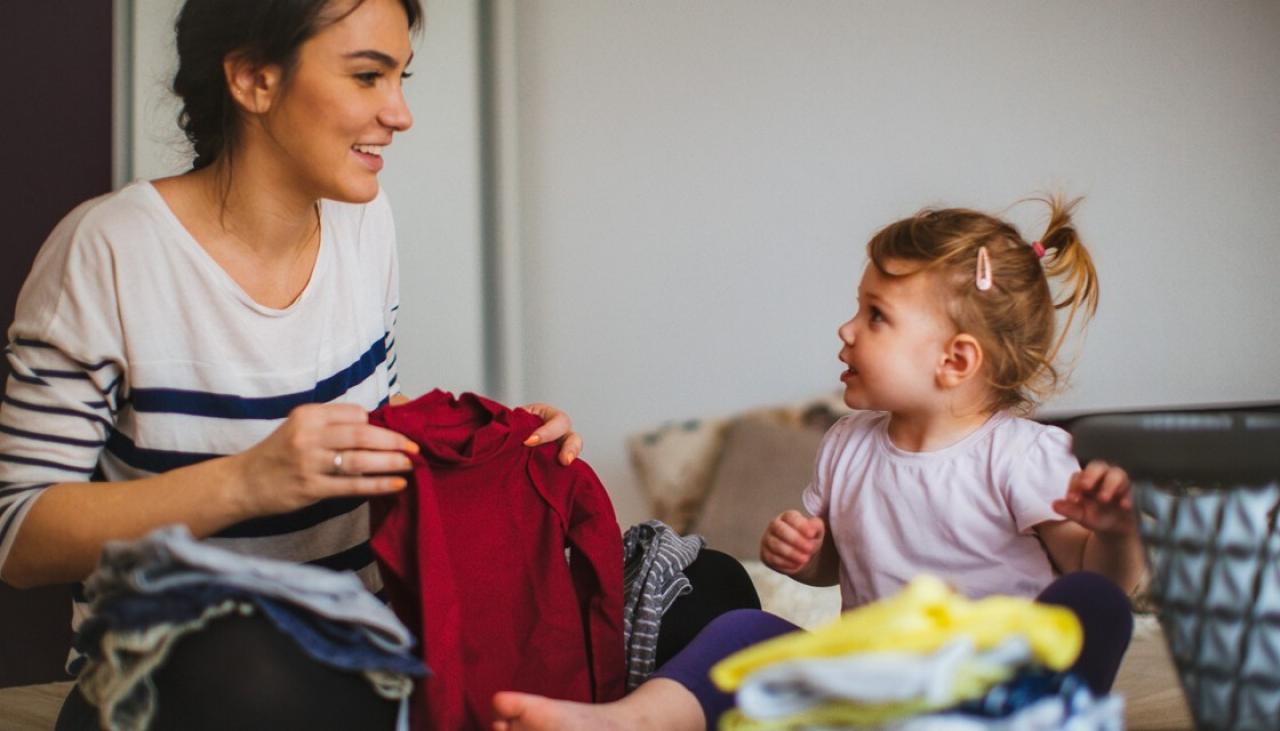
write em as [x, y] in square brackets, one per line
[698, 181]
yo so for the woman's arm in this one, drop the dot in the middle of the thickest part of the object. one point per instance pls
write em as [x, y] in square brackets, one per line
[295, 466]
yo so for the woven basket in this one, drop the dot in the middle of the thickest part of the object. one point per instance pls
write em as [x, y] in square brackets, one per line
[1207, 490]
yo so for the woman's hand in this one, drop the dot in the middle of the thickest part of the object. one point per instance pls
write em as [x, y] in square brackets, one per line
[1098, 499]
[555, 426]
[322, 451]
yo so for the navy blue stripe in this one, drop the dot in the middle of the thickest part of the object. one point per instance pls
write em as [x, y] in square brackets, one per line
[28, 342]
[50, 437]
[55, 410]
[385, 400]
[275, 525]
[28, 379]
[54, 373]
[225, 406]
[8, 522]
[97, 405]
[151, 460]
[10, 491]
[395, 307]
[44, 463]
[352, 559]
[393, 380]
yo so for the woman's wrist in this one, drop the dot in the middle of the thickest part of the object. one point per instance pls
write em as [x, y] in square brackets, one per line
[236, 482]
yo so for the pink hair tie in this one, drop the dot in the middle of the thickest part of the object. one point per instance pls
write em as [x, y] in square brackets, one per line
[1038, 247]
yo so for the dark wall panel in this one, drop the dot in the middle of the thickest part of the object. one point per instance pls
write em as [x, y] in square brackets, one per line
[55, 120]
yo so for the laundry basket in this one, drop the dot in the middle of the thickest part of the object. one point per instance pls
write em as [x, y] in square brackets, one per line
[1207, 490]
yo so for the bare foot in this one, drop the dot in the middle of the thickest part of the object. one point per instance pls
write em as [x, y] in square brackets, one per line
[659, 704]
[525, 712]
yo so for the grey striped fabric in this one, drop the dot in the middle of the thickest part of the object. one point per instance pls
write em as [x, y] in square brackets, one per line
[654, 559]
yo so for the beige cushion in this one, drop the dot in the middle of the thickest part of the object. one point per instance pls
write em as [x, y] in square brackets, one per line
[764, 466]
[674, 464]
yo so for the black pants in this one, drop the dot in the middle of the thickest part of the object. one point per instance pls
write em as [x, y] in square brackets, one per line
[240, 673]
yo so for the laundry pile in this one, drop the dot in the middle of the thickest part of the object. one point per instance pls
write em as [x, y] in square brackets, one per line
[926, 659]
[148, 594]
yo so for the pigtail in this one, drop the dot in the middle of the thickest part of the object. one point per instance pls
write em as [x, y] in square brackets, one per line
[1067, 261]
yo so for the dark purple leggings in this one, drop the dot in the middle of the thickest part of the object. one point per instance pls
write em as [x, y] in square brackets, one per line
[1103, 610]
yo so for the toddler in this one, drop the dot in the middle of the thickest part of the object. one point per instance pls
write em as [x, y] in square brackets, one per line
[935, 472]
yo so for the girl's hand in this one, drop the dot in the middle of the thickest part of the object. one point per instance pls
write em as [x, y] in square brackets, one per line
[555, 426]
[790, 541]
[322, 451]
[1098, 498]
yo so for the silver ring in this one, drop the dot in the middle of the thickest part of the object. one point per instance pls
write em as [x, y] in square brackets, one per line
[337, 463]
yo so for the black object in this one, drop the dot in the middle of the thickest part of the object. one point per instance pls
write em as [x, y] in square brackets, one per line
[1208, 448]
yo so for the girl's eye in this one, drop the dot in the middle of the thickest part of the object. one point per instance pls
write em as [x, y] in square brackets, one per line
[368, 78]
[876, 314]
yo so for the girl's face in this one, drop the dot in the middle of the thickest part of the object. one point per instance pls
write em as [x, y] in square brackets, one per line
[344, 102]
[895, 343]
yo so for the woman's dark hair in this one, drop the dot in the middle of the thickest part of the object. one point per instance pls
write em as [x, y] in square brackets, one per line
[265, 32]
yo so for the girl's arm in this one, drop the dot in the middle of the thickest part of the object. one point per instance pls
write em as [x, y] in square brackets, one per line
[1100, 532]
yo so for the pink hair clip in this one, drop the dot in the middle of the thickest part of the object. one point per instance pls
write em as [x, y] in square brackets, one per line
[1038, 247]
[984, 270]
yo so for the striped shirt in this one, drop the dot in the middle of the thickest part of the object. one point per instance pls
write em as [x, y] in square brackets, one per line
[133, 352]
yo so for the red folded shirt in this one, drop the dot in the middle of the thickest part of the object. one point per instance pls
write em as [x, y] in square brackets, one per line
[473, 560]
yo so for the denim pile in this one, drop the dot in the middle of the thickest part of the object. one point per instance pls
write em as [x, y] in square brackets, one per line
[147, 594]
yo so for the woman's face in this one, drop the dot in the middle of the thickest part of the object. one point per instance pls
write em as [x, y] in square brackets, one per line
[344, 102]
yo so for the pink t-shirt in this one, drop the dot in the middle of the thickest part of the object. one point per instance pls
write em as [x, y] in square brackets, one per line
[963, 513]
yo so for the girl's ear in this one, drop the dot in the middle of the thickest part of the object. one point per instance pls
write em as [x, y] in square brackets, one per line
[962, 360]
[254, 88]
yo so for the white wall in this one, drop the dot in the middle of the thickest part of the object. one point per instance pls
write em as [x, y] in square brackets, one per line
[698, 181]
[432, 177]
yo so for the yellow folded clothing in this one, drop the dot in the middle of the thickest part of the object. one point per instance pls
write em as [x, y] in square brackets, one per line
[921, 618]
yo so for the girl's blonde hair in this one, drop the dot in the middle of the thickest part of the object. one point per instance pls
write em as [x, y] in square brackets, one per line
[1015, 319]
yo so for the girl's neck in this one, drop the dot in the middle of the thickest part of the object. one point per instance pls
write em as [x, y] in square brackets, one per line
[929, 432]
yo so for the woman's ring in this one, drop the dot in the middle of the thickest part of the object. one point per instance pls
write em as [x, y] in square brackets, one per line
[337, 463]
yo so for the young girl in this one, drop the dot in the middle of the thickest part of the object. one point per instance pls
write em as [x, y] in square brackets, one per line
[935, 472]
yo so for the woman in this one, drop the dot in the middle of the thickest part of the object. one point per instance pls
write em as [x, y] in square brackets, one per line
[208, 346]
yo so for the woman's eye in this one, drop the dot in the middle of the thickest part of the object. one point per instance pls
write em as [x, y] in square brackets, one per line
[368, 78]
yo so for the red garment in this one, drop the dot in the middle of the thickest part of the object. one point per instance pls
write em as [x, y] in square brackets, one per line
[473, 562]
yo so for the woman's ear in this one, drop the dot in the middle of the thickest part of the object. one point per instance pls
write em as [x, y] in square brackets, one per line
[254, 88]
[962, 360]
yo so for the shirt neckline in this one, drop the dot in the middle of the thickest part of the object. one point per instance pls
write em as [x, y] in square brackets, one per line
[224, 279]
[887, 446]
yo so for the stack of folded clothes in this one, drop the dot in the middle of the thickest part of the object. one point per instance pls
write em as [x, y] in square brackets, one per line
[926, 659]
[147, 594]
